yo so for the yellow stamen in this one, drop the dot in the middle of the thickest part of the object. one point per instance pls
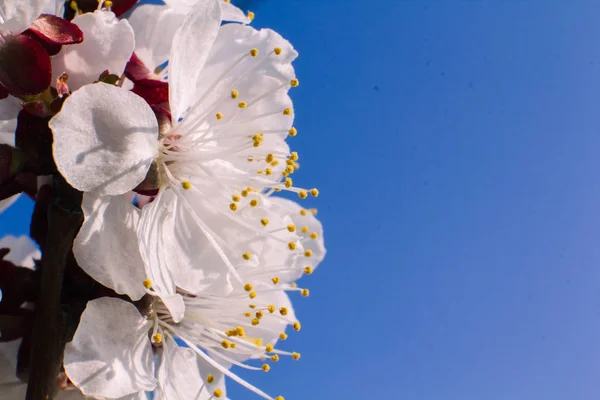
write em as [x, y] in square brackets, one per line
[254, 52]
[264, 222]
[210, 378]
[248, 288]
[294, 82]
[246, 256]
[266, 367]
[147, 283]
[157, 338]
[297, 326]
[302, 194]
[308, 270]
[233, 206]
[219, 115]
[292, 132]
[234, 94]
[296, 356]
[275, 280]
[277, 50]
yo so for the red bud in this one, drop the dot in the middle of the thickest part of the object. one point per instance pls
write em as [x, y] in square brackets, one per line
[25, 67]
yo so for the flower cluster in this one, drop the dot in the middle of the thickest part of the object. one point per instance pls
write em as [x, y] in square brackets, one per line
[172, 120]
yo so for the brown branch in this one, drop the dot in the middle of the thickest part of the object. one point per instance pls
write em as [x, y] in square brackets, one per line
[64, 220]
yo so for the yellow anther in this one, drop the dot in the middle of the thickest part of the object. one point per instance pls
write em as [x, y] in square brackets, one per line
[291, 228]
[74, 6]
[292, 246]
[274, 358]
[305, 292]
[275, 280]
[266, 367]
[294, 285]
[248, 288]
[294, 82]
[244, 193]
[269, 348]
[271, 308]
[283, 336]
[147, 283]
[297, 326]
[235, 197]
[287, 111]
[268, 171]
[249, 188]
[254, 52]
[308, 253]
[275, 163]
[269, 158]
[264, 221]
[256, 341]
[283, 311]
[187, 185]
[233, 345]
[255, 321]
[233, 207]
[253, 203]
[246, 256]
[277, 50]
[259, 314]
[218, 393]
[290, 162]
[247, 314]
[252, 295]
[234, 94]
[108, 4]
[250, 15]
[288, 182]
[296, 356]
[227, 1]
[157, 338]
[240, 331]
[219, 115]
[250, 159]
[313, 211]
[294, 156]
[314, 235]
[304, 229]
[308, 270]
[302, 194]
[252, 306]
[290, 169]
[225, 344]
[303, 212]
[242, 104]
[293, 132]
[314, 192]
[279, 398]
[210, 378]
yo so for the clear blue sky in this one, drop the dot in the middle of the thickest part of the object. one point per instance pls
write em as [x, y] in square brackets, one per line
[457, 149]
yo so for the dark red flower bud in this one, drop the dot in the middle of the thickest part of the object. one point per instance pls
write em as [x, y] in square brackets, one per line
[25, 67]
[56, 30]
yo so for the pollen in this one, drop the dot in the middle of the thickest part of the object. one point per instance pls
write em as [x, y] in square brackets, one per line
[303, 212]
[233, 206]
[294, 82]
[246, 256]
[296, 356]
[279, 398]
[283, 336]
[248, 288]
[271, 308]
[250, 15]
[247, 314]
[242, 104]
[308, 270]
[275, 280]
[290, 169]
[259, 314]
[187, 185]
[314, 192]
[302, 194]
[269, 348]
[254, 52]
[313, 211]
[252, 306]
[304, 229]
[314, 235]
[297, 326]
[287, 111]
[305, 292]
[255, 321]
[293, 132]
[264, 221]
[308, 253]
[210, 378]
[288, 182]
[157, 338]
[235, 198]
[292, 246]
[252, 295]
[291, 228]
[225, 344]
[274, 358]
[218, 393]
[266, 367]
[147, 283]
[219, 116]
[240, 331]
[108, 4]
[244, 193]
[268, 171]
[283, 311]
[277, 50]
[253, 203]
[294, 156]
[234, 94]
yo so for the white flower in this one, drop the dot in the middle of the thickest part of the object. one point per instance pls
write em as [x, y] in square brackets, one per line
[16, 16]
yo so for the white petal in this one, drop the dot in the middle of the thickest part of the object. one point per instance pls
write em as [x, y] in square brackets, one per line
[4, 204]
[155, 239]
[7, 131]
[105, 139]
[23, 250]
[106, 246]
[17, 15]
[191, 46]
[153, 41]
[229, 12]
[108, 44]
[9, 108]
[182, 374]
[110, 354]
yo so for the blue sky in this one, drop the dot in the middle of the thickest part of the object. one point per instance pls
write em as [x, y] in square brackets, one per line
[456, 146]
